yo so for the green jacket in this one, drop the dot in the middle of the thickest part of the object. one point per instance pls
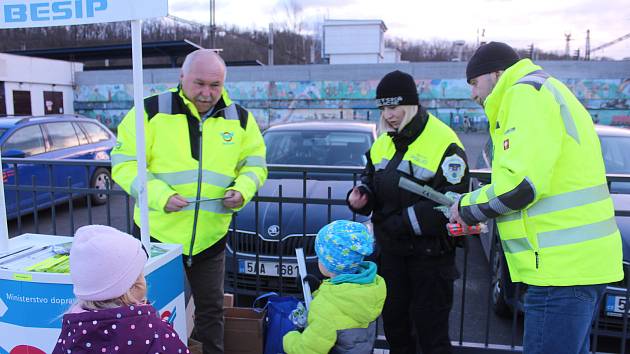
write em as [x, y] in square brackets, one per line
[340, 306]
[548, 192]
[226, 149]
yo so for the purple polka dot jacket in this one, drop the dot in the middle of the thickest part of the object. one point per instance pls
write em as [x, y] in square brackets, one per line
[129, 329]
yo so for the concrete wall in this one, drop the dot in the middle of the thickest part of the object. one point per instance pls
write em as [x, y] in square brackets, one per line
[336, 59]
[353, 72]
[280, 94]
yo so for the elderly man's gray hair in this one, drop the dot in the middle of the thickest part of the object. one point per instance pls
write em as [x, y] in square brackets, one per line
[190, 58]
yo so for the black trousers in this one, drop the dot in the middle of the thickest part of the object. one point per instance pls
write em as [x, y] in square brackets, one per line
[419, 301]
[206, 282]
[205, 277]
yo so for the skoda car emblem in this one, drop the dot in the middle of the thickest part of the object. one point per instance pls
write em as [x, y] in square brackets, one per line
[273, 230]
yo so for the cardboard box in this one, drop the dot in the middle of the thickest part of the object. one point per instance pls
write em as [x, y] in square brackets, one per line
[243, 331]
[228, 300]
[194, 346]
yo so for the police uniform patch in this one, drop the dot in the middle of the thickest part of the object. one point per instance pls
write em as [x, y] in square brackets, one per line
[453, 168]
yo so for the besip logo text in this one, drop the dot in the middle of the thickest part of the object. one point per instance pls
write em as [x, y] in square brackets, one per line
[52, 10]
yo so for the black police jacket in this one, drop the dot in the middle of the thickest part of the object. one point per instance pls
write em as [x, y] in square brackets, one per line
[395, 227]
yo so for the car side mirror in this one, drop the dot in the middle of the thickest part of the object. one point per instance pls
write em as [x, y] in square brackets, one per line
[13, 153]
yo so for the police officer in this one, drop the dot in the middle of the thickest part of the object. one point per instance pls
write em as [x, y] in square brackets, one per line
[548, 195]
[417, 257]
[195, 131]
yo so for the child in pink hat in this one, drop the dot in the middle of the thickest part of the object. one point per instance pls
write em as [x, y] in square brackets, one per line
[111, 314]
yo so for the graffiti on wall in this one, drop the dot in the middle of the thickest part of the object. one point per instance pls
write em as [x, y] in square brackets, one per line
[276, 102]
[600, 89]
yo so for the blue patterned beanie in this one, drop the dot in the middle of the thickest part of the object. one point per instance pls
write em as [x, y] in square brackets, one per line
[342, 244]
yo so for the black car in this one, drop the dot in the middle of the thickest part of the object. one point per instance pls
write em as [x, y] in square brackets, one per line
[267, 232]
[615, 143]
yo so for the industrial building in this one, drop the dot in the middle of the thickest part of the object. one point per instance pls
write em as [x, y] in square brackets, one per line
[35, 86]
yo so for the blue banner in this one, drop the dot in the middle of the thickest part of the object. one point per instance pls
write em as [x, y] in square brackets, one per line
[45, 13]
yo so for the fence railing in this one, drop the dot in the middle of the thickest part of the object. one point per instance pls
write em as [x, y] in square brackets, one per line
[286, 214]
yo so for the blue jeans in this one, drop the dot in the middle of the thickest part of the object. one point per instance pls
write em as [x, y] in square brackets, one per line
[558, 318]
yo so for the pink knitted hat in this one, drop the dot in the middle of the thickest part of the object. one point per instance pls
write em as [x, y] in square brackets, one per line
[104, 262]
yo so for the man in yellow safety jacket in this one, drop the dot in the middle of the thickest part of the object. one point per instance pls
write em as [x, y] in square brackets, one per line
[199, 145]
[548, 195]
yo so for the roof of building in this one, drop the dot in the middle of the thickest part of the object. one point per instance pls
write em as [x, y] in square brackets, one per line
[170, 49]
[355, 23]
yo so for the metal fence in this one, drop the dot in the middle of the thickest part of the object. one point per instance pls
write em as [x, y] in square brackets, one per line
[474, 326]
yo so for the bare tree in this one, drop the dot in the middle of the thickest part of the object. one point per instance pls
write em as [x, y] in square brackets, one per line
[293, 12]
[292, 43]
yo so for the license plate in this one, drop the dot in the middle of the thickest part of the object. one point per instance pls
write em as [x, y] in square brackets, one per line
[615, 305]
[288, 270]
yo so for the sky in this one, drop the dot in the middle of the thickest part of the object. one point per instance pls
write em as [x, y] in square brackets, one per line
[517, 22]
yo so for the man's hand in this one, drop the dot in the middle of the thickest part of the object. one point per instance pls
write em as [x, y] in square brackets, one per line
[356, 199]
[175, 203]
[455, 217]
[233, 199]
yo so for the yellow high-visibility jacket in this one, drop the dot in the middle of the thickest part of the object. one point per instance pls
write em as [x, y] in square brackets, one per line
[195, 158]
[548, 192]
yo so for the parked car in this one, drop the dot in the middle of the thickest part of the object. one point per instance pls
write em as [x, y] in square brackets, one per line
[52, 137]
[615, 143]
[267, 233]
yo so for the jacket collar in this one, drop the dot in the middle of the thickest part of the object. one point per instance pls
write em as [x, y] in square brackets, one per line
[223, 102]
[507, 80]
[411, 131]
[366, 275]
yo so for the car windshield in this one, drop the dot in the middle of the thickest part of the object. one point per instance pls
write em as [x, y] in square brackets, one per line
[2, 130]
[318, 147]
[615, 151]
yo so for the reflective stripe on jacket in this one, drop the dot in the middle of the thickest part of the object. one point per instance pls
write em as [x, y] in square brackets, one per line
[548, 192]
[194, 158]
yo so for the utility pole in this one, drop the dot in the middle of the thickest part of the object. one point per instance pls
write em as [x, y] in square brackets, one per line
[270, 47]
[481, 41]
[213, 25]
[587, 47]
[477, 46]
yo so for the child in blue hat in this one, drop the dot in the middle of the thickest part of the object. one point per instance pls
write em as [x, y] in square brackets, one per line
[344, 309]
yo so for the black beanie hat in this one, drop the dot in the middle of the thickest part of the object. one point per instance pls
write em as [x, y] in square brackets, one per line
[397, 88]
[491, 57]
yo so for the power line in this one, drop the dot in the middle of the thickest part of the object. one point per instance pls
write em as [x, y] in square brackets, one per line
[606, 45]
[188, 22]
